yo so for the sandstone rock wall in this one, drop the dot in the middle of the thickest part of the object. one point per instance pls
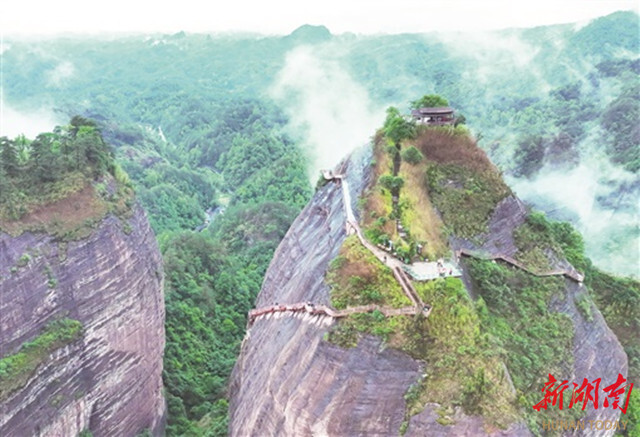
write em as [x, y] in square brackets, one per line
[289, 381]
[110, 380]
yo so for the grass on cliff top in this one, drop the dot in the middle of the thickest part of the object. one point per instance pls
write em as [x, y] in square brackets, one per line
[16, 369]
[462, 183]
[357, 277]
[525, 334]
[418, 216]
[461, 369]
[70, 208]
[375, 202]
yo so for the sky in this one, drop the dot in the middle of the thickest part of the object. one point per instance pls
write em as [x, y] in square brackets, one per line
[35, 18]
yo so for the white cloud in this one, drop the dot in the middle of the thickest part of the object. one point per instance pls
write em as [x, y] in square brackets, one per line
[326, 107]
[282, 16]
[14, 123]
[60, 73]
[612, 234]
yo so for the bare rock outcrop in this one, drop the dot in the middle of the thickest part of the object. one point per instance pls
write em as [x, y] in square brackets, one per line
[109, 381]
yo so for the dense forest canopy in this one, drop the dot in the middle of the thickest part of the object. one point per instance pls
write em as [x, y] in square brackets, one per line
[194, 122]
[553, 103]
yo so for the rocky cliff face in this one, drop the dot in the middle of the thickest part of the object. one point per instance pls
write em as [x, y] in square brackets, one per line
[597, 352]
[289, 381]
[108, 381]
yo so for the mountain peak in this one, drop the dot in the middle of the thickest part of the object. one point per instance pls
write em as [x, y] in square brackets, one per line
[310, 33]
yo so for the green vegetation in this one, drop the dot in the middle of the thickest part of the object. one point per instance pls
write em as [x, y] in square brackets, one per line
[619, 120]
[357, 277]
[429, 101]
[529, 156]
[464, 197]
[535, 240]
[23, 260]
[633, 415]
[391, 183]
[213, 277]
[618, 299]
[212, 281]
[531, 339]
[62, 182]
[346, 334]
[583, 302]
[189, 144]
[462, 369]
[396, 129]
[400, 194]
[461, 181]
[412, 155]
[16, 369]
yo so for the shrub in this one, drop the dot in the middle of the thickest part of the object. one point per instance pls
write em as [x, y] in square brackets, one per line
[391, 183]
[16, 369]
[412, 155]
[584, 305]
[24, 260]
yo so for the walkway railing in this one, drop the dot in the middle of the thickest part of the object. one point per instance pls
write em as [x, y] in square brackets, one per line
[571, 274]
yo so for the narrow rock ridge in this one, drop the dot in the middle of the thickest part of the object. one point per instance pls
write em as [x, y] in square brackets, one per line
[289, 381]
[110, 380]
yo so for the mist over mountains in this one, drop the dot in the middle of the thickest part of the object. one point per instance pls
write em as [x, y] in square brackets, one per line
[556, 107]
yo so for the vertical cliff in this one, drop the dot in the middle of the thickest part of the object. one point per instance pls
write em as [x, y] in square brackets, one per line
[291, 379]
[288, 380]
[105, 375]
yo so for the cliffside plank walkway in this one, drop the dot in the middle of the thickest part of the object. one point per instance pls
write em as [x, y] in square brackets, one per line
[323, 310]
[571, 274]
[395, 265]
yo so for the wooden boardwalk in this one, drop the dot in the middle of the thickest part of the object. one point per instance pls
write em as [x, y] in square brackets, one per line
[352, 226]
[323, 310]
[571, 274]
[419, 307]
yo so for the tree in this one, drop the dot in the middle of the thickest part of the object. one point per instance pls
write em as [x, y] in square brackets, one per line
[45, 165]
[412, 155]
[391, 183]
[9, 157]
[5, 185]
[397, 129]
[22, 148]
[529, 156]
[429, 101]
[77, 122]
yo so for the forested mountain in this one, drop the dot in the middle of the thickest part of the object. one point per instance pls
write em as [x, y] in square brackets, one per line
[238, 125]
[81, 291]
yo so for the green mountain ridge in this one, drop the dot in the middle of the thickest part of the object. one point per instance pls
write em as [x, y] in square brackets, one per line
[193, 122]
